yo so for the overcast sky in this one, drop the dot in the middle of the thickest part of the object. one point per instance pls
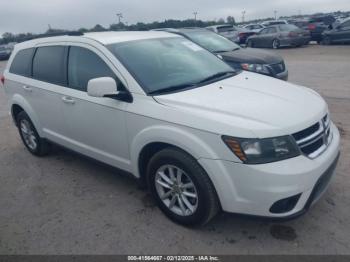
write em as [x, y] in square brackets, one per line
[34, 16]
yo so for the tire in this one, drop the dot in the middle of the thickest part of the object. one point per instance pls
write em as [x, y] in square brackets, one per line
[195, 211]
[30, 137]
[326, 40]
[276, 44]
[250, 43]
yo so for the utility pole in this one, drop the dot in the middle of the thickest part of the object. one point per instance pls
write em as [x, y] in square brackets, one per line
[195, 15]
[243, 15]
[120, 16]
[275, 14]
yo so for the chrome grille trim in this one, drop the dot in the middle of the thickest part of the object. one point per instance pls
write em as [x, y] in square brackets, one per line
[316, 143]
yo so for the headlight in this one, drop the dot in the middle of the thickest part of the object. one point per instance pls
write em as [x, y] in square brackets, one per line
[260, 151]
[258, 68]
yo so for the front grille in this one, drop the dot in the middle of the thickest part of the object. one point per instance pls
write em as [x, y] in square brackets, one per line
[278, 68]
[314, 140]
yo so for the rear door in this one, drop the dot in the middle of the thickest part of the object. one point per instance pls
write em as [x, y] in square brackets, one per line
[49, 81]
[97, 126]
[40, 78]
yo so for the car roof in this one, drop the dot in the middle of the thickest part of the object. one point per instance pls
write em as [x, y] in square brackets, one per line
[223, 25]
[104, 38]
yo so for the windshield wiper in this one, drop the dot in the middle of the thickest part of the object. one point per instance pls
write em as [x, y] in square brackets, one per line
[216, 76]
[171, 89]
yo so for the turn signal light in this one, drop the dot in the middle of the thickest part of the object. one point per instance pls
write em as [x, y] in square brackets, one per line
[2, 79]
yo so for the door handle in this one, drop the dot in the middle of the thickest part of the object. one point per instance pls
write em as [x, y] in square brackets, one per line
[68, 100]
[27, 88]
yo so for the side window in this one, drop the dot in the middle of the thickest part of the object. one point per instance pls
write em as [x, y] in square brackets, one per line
[84, 65]
[49, 65]
[22, 63]
[264, 31]
[272, 30]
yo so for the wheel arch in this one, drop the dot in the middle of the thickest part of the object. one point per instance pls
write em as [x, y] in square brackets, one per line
[153, 139]
[18, 104]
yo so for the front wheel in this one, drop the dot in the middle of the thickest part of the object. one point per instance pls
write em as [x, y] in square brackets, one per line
[326, 40]
[250, 43]
[276, 44]
[181, 188]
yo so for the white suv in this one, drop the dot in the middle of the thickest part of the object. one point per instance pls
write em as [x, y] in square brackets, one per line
[203, 137]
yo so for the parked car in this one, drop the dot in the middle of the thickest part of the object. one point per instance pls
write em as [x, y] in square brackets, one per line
[233, 33]
[278, 36]
[315, 25]
[256, 28]
[201, 135]
[274, 22]
[5, 52]
[259, 61]
[339, 34]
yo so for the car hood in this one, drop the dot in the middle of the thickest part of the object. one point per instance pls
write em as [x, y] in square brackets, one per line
[247, 105]
[251, 55]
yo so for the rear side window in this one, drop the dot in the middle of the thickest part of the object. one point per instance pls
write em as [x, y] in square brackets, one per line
[84, 65]
[49, 65]
[22, 63]
[272, 30]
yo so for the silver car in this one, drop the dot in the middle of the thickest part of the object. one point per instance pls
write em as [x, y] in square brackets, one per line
[278, 36]
[229, 31]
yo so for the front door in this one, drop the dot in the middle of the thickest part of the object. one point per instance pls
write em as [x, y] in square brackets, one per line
[96, 125]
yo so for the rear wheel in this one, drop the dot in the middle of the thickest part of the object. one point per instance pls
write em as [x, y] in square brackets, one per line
[181, 188]
[30, 137]
[276, 44]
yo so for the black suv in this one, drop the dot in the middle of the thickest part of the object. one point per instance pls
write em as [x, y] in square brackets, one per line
[249, 59]
[316, 25]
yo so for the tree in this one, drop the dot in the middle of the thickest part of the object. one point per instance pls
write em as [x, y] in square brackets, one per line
[8, 37]
[221, 21]
[98, 28]
[231, 20]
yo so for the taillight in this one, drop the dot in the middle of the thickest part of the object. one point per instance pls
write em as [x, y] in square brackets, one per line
[292, 34]
[2, 79]
[311, 27]
[241, 35]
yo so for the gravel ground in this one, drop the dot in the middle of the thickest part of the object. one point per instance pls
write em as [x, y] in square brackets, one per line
[66, 204]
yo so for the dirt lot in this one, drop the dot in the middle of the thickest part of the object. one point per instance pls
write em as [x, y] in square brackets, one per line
[66, 204]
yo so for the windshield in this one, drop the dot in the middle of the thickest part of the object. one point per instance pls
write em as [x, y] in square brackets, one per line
[287, 27]
[212, 42]
[169, 64]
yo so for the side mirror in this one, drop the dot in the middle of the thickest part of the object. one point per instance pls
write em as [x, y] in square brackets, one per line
[107, 87]
[102, 87]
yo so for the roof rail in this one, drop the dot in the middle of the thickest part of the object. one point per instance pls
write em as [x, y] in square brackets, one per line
[69, 33]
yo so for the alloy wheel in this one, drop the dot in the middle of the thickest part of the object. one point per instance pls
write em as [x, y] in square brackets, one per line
[275, 44]
[28, 134]
[176, 190]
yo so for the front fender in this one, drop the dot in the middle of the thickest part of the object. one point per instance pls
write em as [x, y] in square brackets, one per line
[19, 100]
[187, 141]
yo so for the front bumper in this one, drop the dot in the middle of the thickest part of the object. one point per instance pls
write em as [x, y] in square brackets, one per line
[253, 189]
